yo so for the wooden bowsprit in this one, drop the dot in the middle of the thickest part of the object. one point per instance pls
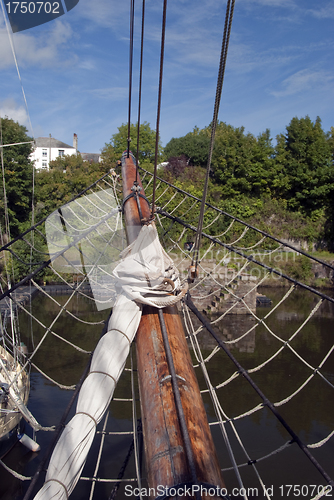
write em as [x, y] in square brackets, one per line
[179, 449]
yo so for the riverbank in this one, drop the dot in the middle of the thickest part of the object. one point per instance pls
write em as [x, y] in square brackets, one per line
[300, 268]
[21, 295]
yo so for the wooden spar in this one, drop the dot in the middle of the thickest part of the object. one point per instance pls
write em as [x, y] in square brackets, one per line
[166, 460]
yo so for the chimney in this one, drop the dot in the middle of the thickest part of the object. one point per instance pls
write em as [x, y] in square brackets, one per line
[75, 142]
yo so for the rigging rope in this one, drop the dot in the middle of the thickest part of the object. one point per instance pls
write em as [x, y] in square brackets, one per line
[140, 85]
[178, 403]
[162, 53]
[220, 80]
[7, 228]
[132, 17]
[215, 276]
[219, 411]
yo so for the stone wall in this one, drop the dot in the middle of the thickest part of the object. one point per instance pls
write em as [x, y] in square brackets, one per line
[210, 297]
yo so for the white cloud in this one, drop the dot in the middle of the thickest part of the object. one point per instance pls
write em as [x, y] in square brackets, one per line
[271, 3]
[111, 93]
[87, 64]
[302, 81]
[323, 13]
[107, 13]
[43, 50]
[16, 112]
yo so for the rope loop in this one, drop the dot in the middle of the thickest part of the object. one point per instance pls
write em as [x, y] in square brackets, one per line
[59, 482]
[88, 415]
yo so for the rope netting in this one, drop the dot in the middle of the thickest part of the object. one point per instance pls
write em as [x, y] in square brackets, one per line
[282, 346]
[61, 301]
[237, 264]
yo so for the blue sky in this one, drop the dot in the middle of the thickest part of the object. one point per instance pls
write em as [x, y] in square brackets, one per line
[75, 69]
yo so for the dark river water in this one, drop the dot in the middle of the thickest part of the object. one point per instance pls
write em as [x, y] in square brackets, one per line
[310, 413]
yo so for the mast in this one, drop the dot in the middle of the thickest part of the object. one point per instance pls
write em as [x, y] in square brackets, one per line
[167, 458]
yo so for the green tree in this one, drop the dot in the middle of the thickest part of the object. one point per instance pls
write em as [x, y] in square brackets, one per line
[108, 156]
[262, 169]
[147, 139]
[330, 140]
[304, 159]
[18, 174]
[242, 163]
[329, 226]
[68, 176]
[194, 145]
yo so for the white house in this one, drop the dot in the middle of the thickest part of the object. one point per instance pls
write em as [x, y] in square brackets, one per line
[48, 149]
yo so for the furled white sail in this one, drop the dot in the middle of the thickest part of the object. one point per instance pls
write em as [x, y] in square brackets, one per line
[146, 275]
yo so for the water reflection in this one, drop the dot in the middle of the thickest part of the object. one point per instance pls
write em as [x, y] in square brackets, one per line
[310, 412]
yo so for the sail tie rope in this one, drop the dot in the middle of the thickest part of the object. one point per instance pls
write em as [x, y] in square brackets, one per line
[104, 373]
[61, 484]
[84, 412]
[125, 335]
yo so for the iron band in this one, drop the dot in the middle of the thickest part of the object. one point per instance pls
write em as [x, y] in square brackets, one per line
[134, 194]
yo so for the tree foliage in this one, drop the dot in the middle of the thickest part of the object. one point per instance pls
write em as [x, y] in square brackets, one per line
[240, 162]
[194, 146]
[108, 156]
[248, 172]
[147, 140]
[67, 177]
[305, 158]
[298, 170]
[18, 175]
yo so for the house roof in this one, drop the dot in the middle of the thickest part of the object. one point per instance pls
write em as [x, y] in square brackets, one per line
[47, 142]
[91, 157]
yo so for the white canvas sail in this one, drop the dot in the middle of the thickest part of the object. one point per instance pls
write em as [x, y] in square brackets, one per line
[146, 275]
